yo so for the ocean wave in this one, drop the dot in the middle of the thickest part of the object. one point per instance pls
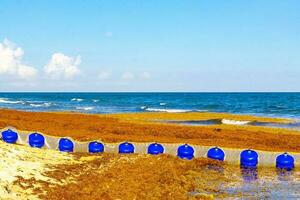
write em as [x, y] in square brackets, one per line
[95, 100]
[77, 99]
[167, 110]
[47, 104]
[234, 122]
[162, 104]
[5, 100]
[84, 108]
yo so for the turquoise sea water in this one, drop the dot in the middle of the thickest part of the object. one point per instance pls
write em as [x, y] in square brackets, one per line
[265, 104]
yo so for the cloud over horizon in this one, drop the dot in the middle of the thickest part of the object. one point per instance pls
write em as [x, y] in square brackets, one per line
[104, 75]
[127, 76]
[62, 66]
[11, 61]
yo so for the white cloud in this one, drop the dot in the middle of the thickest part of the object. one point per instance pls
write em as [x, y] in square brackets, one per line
[145, 75]
[62, 66]
[104, 75]
[26, 72]
[11, 61]
[128, 76]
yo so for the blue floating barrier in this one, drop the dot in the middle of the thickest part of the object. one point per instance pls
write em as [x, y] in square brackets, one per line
[285, 161]
[96, 147]
[216, 154]
[126, 147]
[36, 140]
[9, 136]
[65, 145]
[185, 152]
[155, 148]
[248, 158]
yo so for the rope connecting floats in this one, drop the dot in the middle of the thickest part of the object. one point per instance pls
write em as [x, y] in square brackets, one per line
[247, 158]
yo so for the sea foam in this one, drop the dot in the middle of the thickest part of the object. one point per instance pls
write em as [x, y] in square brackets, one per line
[76, 99]
[85, 108]
[5, 100]
[47, 104]
[234, 122]
[167, 110]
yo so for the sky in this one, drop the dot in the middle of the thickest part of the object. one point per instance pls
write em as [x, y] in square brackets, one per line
[150, 45]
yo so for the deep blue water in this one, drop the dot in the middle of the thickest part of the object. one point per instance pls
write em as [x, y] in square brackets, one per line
[266, 104]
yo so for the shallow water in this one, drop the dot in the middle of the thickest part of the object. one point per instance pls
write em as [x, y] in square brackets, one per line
[268, 183]
[193, 122]
[261, 183]
[295, 125]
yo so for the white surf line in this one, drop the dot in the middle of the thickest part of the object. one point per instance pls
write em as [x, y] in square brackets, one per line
[232, 155]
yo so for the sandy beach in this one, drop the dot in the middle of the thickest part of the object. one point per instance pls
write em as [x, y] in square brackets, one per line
[28, 173]
[49, 174]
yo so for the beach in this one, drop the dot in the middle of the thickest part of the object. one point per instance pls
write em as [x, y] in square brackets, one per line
[30, 173]
[148, 127]
[49, 174]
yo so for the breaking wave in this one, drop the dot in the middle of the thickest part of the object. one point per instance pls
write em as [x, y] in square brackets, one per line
[76, 99]
[85, 108]
[47, 104]
[167, 110]
[5, 100]
[234, 122]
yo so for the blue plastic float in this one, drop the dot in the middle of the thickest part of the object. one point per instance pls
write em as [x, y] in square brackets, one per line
[155, 148]
[36, 140]
[285, 161]
[216, 154]
[126, 147]
[248, 158]
[185, 152]
[9, 136]
[96, 147]
[65, 145]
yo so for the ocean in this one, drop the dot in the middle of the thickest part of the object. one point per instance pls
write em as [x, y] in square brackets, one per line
[260, 104]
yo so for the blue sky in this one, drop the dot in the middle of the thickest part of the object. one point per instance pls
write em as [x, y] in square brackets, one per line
[135, 45]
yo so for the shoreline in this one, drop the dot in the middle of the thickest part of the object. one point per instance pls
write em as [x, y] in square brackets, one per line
[141, 127]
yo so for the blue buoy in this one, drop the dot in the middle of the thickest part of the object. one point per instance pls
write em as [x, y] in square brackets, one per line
[155, 149]
[185, 152]
[36, 140]
[96, 147]
[9, 136]
[285, 161]
[65, 145]
[126, 147]
[216, 153]
[248, 158]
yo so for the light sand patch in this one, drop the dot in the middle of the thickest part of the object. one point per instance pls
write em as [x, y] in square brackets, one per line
[21, 161]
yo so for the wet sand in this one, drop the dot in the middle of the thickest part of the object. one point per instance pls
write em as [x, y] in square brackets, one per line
[147, 127]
